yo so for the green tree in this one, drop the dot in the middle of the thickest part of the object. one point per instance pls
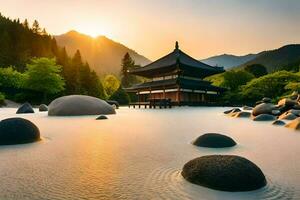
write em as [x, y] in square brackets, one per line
[234, 79]
[43, 75]
[10, 78]
[120, 96]
[127, 64]
[272, 85]
[257, 70]
[36, 27]
[111, 84]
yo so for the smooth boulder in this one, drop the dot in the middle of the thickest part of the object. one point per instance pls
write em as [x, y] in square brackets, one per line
[295, 124]
[75, 105]
[18, 131]
[295, 112]
[278, 123]
[101, 117]
[264, 117]
[43, 108]
[214, 140]
[25, 108]
[224, 172]
[263, 108]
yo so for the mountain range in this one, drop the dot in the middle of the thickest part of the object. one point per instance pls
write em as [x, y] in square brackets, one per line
[103, 54]
[228, 61]
[274, 60]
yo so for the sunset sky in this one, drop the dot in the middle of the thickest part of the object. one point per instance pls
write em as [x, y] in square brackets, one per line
[203, 27]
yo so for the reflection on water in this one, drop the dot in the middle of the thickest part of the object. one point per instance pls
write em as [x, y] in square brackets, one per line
[138, 154]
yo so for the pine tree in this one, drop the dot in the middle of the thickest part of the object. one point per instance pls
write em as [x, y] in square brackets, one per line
[36, 27]
[127, 64]
[26, 24]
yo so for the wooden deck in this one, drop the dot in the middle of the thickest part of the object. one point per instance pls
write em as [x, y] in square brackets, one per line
[153, 103]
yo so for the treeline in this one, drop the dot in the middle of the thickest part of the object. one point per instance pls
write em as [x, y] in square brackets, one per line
[20, 43]
[252, 83]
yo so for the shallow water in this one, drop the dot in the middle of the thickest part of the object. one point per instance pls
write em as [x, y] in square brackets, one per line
[138, 154]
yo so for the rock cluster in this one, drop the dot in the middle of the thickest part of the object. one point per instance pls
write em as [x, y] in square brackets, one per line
[286, 109]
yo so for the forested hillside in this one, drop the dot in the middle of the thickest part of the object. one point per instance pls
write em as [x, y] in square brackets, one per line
[21, 42]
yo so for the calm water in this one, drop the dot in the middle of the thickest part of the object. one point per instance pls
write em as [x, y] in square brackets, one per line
[138, 154]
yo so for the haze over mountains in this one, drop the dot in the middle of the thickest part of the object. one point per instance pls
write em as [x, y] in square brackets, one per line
[227, 61]
[274, 60]
[103, 54]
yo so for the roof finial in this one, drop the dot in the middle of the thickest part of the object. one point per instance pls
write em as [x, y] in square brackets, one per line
[176, 45]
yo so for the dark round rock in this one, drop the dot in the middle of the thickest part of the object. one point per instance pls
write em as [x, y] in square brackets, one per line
[264, 117]
[214, 140]
[224, 172]
[18, 131]
[278, 123]
[43, 108]
[25, 108]
[101, 117]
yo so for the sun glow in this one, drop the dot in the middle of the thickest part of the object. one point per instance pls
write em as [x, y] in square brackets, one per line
[94, 30]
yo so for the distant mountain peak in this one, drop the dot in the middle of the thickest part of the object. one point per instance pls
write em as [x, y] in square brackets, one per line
[102, 53]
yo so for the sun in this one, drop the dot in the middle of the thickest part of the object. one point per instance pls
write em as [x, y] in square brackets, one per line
[93, 30]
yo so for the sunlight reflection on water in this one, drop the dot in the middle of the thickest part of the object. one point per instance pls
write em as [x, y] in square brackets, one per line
[138, 154]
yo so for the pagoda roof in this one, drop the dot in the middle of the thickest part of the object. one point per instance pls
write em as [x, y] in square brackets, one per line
[174, 61]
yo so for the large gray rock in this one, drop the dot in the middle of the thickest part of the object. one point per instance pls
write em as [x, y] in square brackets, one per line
[18, 131]
[264, 117]
[43, 108]
[263, 108]
[75, 105]
[214, 140]
[224, 172]
[295, 124]
[25, 108]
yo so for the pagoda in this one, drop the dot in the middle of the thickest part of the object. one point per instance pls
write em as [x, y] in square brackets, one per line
[177, 78]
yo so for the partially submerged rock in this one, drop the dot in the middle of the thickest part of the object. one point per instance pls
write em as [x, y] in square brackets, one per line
[214, 140]
[75, 105]
[43, 108]
[247, 108]
[278, 123]
[295, 112]
[101, 117]
[241, 114]
[263, 108]
[234, 110]
[18, 131]
[224, 172]
[25, 108]
[287, 116]
[264, 117]
[295, 124]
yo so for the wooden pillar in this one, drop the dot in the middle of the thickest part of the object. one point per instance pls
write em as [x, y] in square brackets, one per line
[178, 95]
[150, 96]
